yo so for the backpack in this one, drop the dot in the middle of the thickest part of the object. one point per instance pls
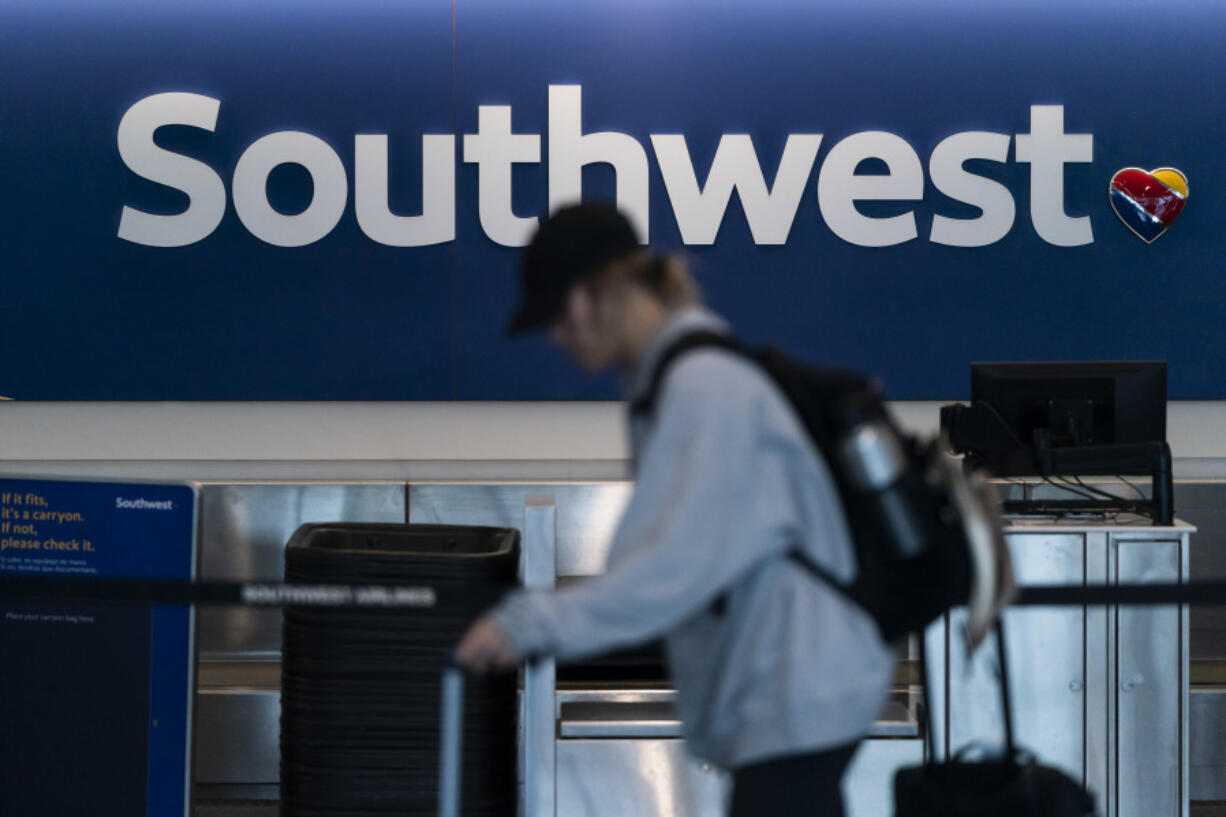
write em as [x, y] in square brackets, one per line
[927, 535]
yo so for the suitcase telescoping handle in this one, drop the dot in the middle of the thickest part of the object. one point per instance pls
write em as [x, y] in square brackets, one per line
[451, 734]
[1006, 697]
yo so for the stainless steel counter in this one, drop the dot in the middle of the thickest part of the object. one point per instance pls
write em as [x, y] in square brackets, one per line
[246, 526]
[1102, 693]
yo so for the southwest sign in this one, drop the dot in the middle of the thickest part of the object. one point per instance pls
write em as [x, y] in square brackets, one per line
[326, 199]
[699, 206]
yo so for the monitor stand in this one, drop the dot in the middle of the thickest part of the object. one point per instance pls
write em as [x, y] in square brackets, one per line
[1138, 459]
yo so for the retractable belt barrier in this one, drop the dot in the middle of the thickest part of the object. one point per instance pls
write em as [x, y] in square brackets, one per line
[279, 594]
[1055, 595]
[240, 594]
[450, 727]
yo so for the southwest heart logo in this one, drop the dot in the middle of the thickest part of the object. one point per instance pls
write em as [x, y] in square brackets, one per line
[1148, 201]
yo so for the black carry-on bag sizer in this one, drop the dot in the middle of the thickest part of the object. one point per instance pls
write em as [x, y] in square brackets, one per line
[1013, 785]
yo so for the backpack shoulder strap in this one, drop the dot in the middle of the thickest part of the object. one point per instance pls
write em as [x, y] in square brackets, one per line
[820, 573]
[646, 403]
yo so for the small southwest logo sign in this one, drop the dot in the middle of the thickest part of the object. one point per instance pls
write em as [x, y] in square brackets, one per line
[1148, 201]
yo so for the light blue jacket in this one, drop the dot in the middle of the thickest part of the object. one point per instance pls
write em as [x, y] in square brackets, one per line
[727, 482]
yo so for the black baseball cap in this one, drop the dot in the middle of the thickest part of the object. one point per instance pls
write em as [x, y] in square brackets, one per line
[570, 244]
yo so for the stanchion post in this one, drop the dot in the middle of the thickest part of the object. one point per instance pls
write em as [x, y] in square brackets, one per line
[451, 747]
[538, 758]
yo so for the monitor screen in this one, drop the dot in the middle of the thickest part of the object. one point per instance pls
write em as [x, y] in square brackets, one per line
[1070, 404]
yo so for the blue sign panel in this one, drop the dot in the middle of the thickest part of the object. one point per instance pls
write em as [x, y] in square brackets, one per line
[96, 695]
[326, 200]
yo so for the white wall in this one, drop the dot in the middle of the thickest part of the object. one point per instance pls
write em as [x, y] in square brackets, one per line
[421, 441]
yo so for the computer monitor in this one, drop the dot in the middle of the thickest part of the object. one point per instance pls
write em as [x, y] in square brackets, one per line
[1065, 405]
[1060, 420]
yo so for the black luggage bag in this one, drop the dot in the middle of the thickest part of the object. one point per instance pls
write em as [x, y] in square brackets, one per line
[1014, 785]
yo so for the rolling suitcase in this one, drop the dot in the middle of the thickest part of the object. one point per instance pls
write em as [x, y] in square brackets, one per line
[1013, 785]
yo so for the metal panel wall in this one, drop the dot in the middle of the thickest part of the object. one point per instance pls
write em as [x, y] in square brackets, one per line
[1203, 503]
[232, 722]
[1099, 692]
[244, 530]
[1046, 662]
[631, 778]
[637, 778]
[1208, 750]
[245, 526]
[1100, 724]
[1150, 644]
[587, 514]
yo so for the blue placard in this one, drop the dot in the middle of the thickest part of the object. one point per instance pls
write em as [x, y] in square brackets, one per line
[302, 199]
[96, 699]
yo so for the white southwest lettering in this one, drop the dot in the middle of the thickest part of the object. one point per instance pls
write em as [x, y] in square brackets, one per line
[205, 190]
[331, 188]
[839, 187]
[699, 209]
[952, 179]
[1047, 148]
[495, 148]
[436, 224]
[770, 213]
[570, 150]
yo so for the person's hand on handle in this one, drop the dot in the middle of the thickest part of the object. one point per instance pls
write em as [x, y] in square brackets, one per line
[485, 648]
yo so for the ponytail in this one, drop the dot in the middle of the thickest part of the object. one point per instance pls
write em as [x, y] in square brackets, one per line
[668, 278]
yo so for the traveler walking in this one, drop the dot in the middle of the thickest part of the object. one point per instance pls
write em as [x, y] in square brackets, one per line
[778, 675]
